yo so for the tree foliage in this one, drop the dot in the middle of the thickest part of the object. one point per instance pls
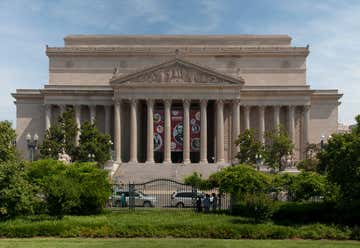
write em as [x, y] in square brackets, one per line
[60, 135]
[340, 161]
[77, 188]
[93, 142]
[17, 195]
[249, 147]
[7, 141]
[240, 180]
[277, 146]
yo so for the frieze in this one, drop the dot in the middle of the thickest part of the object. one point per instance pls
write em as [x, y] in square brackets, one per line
[177, 74]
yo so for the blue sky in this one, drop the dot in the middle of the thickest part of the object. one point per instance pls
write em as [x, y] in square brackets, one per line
[331, 28]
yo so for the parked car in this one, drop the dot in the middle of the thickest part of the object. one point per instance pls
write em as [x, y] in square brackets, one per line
[184, 199]
[141, 199]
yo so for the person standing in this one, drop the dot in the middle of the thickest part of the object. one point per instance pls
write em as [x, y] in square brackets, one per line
[214, 204]
[123, 200]
[207, 203]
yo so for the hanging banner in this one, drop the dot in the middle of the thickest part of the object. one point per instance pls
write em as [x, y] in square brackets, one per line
[158, 130]
[177, 130]
[194, 130]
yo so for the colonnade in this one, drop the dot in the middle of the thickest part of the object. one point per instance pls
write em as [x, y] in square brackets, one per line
[167, 131]
[219, 124]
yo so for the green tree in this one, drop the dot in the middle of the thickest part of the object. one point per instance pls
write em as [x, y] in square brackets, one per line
[60, 135]
[76, 188]
[53, 142]
[249, 147]
[307, 185]
[17, 195]
[7, 141]
[278, 145]
[240, 180]
[93, 142]
[340, 161]
[197, 181]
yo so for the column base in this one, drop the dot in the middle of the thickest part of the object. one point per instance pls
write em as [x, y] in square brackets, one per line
[150, 162]
[220, 161]
[204, 161]
[187, 161]
[166, 162]
[133, 161]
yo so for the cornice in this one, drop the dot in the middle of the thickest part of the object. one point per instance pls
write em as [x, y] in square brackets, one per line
[183, 50]
[129, 70]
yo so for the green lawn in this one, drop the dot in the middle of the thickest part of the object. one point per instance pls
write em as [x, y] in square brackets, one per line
[174, 243]
[164, 224]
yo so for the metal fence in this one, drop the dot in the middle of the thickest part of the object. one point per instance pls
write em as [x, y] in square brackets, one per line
[165, 193]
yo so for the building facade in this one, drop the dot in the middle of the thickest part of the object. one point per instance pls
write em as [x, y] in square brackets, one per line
[175, 104]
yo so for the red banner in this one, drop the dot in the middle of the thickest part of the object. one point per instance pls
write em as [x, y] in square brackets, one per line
[177, 130]
[158, 130]
[194, 130]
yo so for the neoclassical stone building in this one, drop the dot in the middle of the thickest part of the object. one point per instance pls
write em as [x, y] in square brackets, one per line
[175, 104]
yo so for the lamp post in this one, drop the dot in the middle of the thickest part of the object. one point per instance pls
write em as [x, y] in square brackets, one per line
[111, 150]
[91, 157]
[32, 144]
[322, 138]
[258, 159]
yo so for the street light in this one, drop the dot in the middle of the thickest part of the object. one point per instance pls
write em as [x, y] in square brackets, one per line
[111, 150]
[258, 159]
[91, 157]
[322, 138]
[32, 144]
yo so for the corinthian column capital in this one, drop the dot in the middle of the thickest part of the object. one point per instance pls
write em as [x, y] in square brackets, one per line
[186, 103]
[203, 102]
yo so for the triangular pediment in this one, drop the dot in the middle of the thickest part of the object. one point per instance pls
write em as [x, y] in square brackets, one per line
[177, 71]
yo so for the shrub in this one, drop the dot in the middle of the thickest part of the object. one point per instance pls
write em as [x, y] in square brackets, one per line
[240, 180]
[62, 194]
[17, 195]
[313, 212]
[77, 188]
[258, 207]
[304, 212]
[307, 185]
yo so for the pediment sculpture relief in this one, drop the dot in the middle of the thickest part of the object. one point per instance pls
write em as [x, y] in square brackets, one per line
[177, 74]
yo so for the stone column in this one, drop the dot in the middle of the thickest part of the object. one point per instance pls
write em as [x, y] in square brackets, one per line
[133, 131]
[47, 116]
[117, 130]
[186, 138]
[150, 132]
[220, 131]
[235, 127]
[107, 118]
[276, 116]
[291, 123]
[167, 134]
[247, 116]
[92, 113]
[262, 124]
[78, 122]
[203, 131]
[306, 125]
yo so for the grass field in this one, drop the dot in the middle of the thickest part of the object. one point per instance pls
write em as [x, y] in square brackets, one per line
[174, 243]
[164, 224]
